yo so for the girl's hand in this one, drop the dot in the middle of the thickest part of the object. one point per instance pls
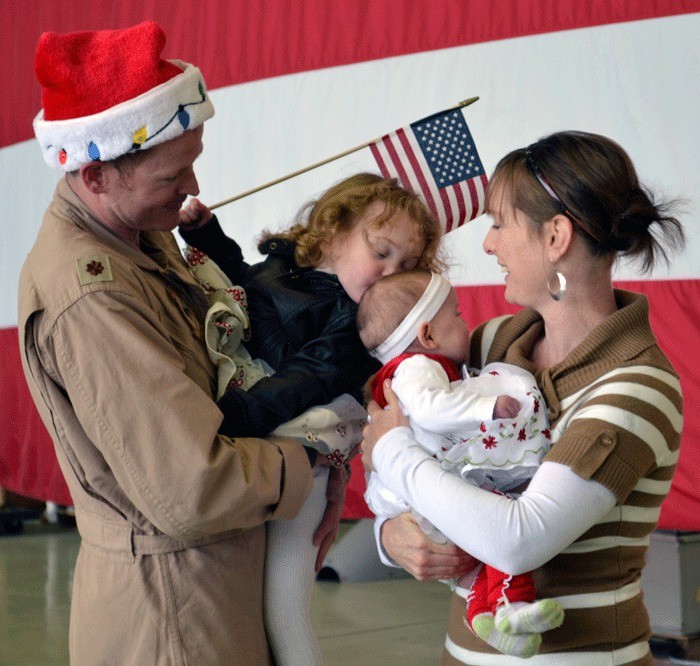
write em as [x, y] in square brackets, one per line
[424, 559]
[380, 422]
[194, 214]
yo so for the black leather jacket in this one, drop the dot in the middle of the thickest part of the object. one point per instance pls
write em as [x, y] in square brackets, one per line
[302, 324]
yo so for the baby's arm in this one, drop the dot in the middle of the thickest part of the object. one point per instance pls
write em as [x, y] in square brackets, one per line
[436, 404]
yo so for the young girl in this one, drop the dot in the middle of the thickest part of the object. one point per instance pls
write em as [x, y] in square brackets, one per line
[302, 302]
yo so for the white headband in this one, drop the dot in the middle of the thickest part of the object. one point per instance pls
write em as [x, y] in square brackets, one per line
[425, 309]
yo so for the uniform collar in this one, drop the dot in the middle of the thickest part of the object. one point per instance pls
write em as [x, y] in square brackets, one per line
[157, 253]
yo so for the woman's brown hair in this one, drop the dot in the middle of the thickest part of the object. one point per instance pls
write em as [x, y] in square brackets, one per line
[590, 179]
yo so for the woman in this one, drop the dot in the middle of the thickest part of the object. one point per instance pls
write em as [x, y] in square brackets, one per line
[564, 209]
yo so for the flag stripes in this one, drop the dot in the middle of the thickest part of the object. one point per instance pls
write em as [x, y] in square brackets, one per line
[400, 155]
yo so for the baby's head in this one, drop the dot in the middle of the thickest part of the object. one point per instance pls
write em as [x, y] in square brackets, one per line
[366, 227]
[414, 311]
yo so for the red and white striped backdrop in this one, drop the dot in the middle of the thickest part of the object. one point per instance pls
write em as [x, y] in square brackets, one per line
[296, 82]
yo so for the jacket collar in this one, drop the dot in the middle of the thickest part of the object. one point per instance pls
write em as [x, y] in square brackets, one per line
[278, 246]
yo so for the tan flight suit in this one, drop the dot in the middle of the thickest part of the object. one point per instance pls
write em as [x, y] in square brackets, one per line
[171, 514]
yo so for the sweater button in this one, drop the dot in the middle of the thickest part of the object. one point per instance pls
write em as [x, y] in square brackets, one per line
[606, 440]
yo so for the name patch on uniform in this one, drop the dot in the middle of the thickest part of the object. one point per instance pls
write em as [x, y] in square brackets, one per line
[95, 268]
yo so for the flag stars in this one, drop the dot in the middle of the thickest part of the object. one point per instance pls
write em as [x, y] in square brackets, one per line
[448, 148]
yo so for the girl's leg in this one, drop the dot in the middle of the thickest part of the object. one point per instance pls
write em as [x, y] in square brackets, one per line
[289, 579]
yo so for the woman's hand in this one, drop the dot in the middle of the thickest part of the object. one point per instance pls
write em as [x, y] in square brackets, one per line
[424, 559]
[380, 422]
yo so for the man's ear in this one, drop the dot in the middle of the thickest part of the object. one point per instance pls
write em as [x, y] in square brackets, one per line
[425, 336]
[94, 176]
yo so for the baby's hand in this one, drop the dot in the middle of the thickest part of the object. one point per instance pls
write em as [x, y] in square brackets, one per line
[194, 214]
[506, 407]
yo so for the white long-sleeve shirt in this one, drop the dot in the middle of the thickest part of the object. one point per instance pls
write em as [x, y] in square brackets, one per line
[453, 422]
[522, 533]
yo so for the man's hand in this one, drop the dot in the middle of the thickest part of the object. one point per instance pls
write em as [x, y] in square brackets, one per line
[424, 559]
[327, 531]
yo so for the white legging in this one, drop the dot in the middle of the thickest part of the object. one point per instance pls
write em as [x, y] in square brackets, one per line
[289, 579]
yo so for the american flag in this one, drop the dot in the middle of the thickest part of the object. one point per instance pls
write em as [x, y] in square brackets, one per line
[436, 157]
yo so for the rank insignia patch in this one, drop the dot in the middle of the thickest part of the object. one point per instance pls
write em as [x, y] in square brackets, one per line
[95, 268]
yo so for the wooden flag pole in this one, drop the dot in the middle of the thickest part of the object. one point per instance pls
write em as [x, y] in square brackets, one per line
[242, 195]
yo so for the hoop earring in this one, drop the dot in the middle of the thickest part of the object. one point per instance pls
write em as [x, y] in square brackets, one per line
[561, 284]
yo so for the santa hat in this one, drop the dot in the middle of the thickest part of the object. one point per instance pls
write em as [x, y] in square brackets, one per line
[107, 93]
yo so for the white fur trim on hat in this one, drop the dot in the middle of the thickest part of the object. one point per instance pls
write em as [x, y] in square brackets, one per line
[158, 115]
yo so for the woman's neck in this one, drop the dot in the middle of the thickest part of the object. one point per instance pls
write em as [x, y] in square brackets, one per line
[567, 323]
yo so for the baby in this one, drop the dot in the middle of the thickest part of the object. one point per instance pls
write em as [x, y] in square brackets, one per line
[490, 428]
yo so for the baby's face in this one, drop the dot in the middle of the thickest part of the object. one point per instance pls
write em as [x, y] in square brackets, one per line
[451, 331]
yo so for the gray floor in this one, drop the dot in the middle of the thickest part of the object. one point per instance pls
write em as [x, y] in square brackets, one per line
[387, 622]
[396, 622]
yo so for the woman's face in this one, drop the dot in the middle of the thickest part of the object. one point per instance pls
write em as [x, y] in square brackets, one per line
[513, 240]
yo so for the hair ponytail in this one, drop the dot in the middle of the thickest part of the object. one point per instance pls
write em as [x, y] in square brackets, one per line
[591, 179]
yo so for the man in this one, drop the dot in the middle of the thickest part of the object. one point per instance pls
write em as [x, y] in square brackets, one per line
[171, 514]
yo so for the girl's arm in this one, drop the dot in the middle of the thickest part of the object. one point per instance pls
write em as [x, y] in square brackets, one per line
[333, 363]
[224, 251]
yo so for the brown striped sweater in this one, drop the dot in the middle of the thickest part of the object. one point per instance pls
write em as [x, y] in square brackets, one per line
[615, 408]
